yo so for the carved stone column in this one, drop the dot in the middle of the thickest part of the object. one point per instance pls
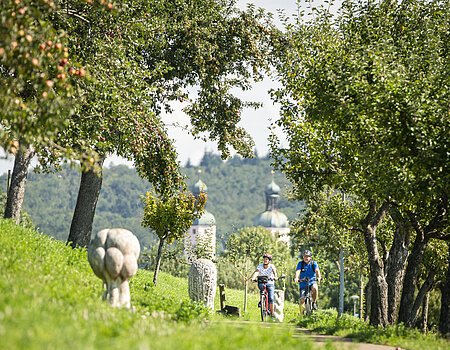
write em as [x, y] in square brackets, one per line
[278, 306]
[202, 282]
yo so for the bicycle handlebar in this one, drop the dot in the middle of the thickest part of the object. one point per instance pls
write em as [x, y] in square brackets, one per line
[306, 279]
[271, 279]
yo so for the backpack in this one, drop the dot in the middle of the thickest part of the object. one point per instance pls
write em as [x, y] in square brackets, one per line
[303, 266]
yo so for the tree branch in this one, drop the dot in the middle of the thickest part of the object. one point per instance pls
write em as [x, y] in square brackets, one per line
[74, 14]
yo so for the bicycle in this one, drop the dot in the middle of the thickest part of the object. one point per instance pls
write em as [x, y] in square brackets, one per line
[308, 300]
[264, 297]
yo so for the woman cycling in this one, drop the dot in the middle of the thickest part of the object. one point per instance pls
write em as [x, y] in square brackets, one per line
[269, 270]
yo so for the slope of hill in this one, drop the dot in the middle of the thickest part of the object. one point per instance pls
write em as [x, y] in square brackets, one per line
[50, 299]
[235, 196]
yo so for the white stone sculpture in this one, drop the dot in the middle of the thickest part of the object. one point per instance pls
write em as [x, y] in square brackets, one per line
[113, 255]
[202, 282]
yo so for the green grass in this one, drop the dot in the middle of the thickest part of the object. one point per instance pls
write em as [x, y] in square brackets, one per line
[328, 322]
[50, 299]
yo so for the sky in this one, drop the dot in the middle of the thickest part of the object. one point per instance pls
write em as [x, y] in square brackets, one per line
[256, 122]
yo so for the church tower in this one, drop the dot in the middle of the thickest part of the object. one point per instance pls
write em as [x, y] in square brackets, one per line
[200, 240]
[273, 219]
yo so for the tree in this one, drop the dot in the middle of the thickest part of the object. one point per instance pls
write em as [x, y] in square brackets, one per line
[37, 89]
[244, 249]
[444, 324]
[327, 226]
[364, 108]
[170, 217]
[140, 56]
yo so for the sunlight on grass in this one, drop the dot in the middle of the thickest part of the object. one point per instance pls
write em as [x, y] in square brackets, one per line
[50, 299]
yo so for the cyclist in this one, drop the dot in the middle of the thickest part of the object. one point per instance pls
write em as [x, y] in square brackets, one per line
[269, 270]
[307, 268]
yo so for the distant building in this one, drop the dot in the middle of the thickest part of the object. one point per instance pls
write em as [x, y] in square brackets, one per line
[273, 219]
[200, 240]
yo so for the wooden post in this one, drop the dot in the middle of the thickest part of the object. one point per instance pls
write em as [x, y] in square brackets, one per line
[222, 296]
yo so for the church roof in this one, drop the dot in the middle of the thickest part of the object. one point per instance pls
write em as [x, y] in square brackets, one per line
[272, 218]
[199, 187]
[207, 219]
[272, 189]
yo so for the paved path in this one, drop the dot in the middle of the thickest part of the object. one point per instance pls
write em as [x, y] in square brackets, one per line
[339, 343]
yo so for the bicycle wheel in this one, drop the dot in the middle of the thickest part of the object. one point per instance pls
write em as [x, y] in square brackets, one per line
[308, 306]
[263, 308]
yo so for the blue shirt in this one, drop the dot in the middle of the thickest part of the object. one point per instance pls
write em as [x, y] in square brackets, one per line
[308, 270]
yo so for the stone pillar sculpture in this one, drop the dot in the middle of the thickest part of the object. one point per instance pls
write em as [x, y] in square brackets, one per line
[113, 255]
[278, 306]
[202, 282]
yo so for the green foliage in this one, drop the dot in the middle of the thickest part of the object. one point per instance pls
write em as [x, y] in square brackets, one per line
[142, 55]
[171, 217]
[245, 247]
[191, 311]
[327, 226]
[243, 253]
[364, 109]
[328, 322]
[364, 101]
[235, 192]
[37, 93]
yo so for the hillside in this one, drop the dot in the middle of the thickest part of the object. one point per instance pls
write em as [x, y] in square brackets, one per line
[50, 299]
[235, 196]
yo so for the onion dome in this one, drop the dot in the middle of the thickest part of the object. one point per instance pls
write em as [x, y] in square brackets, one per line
[272, 189]
[206, 219]
[272, 219]
[199, 187]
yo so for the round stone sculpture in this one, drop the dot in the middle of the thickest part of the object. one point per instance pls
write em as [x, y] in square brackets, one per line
[203, 281]
[113, 255]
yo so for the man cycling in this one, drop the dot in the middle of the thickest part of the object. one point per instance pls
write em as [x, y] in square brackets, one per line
[307, 268]
[269, 270]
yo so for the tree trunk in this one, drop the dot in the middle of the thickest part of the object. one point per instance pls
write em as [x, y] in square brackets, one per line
[411, 275]
[16, 191]
[433, 229]
[379, 287]
[396, 263]
[158, 260]
[368, 300]
[424, 320]
[83, 216]
[361, 296]
[444, 317]
[379, 302]
[245, 294]
[423, 292]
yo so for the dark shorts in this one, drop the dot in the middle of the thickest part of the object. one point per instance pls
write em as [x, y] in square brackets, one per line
[303, 290]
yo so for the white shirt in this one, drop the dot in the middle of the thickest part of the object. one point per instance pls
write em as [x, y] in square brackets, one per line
[269, 272]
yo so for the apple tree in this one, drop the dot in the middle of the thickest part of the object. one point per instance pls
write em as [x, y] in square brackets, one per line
[365, 111]
[38, 86]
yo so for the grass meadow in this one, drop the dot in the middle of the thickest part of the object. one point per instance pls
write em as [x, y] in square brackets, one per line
[50, 299]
